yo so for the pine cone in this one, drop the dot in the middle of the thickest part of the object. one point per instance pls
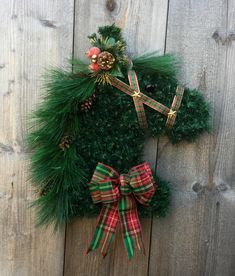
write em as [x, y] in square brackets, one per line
[105, 60]
[66, 141]
[87, 104]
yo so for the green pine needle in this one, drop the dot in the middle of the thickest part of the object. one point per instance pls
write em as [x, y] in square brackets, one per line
[151, 64]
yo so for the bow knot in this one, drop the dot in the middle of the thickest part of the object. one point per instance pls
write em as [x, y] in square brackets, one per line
[119, 194]
[125, 188]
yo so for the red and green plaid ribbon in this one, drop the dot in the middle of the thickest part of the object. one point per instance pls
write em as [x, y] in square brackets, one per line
[140, 99]
[119, 193]
[139, 106]
[175, 106]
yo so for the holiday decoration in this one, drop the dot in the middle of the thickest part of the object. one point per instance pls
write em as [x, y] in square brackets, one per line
[101, 110]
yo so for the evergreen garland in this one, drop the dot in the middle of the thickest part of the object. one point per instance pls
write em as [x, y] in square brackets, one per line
[108, 132]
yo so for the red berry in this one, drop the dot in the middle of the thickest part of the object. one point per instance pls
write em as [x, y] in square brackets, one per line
[93, 51]
[94, 67]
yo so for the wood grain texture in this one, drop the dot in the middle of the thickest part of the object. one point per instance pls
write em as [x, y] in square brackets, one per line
[144, 29]
[34, 34]
[198, 237]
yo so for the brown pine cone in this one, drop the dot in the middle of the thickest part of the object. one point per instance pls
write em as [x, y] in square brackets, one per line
[106, 60]
[87, 104]
[65, 142]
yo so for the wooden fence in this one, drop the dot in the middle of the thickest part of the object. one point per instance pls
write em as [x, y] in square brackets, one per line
[198, 236]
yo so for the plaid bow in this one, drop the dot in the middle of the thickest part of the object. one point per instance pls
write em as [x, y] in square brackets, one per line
[119, 193]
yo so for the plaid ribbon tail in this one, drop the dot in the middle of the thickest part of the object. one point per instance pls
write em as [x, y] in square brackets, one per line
[130, 225]
[105, 229]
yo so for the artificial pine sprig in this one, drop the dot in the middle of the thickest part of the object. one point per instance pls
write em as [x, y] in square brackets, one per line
[153, 64]
[56, 172]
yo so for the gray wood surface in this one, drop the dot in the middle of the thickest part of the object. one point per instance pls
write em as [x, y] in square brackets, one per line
[198, 236]
[34, 34]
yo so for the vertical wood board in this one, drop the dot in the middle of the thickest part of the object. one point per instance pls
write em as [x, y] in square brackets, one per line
[34, 35]
[197, 238]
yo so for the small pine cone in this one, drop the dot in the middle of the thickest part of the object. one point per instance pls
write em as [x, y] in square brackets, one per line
[66, 141]
[106, 60]
[87, 104]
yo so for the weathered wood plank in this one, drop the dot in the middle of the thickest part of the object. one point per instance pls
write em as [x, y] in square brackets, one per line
[144, 29]
[34, 34]
[222, 261]
[197, 238]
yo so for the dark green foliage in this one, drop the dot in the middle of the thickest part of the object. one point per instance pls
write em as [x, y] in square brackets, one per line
[111, 31]
[108, 133]
[107, 32]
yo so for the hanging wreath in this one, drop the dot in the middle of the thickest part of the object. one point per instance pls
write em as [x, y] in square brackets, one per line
[100, 111]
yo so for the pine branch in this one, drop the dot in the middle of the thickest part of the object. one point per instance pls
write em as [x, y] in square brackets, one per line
[152, 64]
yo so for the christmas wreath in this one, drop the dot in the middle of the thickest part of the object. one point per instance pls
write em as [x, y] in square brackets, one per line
[100, 111]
